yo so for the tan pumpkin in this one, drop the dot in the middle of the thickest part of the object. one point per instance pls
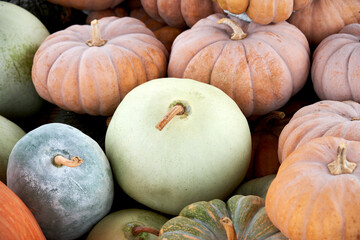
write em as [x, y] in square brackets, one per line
[89, 69]
[335, 69]
[263, 11]
[315, 194]
[88, 4]
[322, 18]
[248, 61]
[323, 118]
[180, 13]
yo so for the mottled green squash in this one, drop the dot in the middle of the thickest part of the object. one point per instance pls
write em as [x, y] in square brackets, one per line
[255, 186]
[216, 219]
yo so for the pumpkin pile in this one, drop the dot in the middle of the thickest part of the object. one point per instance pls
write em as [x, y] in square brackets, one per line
[182, 119]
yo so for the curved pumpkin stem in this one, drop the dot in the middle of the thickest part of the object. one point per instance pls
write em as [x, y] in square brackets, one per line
[95, 39]
[238, 33]
[178, 109]
[142, 229]
[74, 162]
[341, 165]
[229, 228]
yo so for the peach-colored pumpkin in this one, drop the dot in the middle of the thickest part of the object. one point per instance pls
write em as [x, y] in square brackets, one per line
[88, 4]
[323, 118]
[322, 18]
[310, 199]
[109, 12]
[335, 69]
[257, 70]
[87, 77]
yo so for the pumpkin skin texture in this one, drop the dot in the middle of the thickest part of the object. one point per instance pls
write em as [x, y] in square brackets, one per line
[21, 35]
[202, 220]
[256, 186]
[119, 225]
[180, 13]
[88, 4]
[323, 118]
[93, 80]
[73, 198]
[306, 201]
[201, 154]
[335, 70]
[16, 220]
[10, 133]
[322, 18]
[258, 71]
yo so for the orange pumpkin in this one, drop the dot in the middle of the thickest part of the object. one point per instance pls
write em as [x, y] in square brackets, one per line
[263, 11]
[88, 4]
[323, 118]
[335, 69]
[89, 69]
[16, 220]
[322, 18]
[180, 13]
[315, 194]
[109, 12]
[248, 61]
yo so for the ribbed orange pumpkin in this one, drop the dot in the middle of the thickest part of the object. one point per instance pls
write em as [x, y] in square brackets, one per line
[323, 118]
[16, 220]
[180, 13]
[93, 76]
[263, 11]
[335, 69]
[321, 18]
[255, 68]
[315, 194]
[88, 4]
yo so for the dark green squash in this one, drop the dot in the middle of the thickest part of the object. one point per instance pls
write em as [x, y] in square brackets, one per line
[256, 186]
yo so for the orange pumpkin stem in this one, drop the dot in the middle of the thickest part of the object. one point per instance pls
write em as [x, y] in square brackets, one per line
[341, 165]
[238, 33]
[178, 109]
[95, 39]
[229, 228]
[142, 229]
[74, 162]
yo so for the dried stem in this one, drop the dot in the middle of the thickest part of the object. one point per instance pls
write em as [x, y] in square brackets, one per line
[74, 162]
[178, 109]
[95, 39]
[238, 33]
[142, 229]
[229, 228]
[341, 165]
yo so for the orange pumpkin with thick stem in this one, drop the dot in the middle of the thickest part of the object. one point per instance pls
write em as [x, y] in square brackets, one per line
[16, 220]
[88, 4]
[248, 61]
[315, 194]
[89, 69]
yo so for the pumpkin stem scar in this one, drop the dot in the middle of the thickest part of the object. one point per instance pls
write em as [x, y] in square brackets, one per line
[74, 162]
[95, 39]
[229, 228]
[142, 229]
[238, 33]
[341, 165]
[178, 109]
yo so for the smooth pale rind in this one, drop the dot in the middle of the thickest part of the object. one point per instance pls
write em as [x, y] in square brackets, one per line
[10, 133]
[202, 156]
[66, 201]
[21, 33]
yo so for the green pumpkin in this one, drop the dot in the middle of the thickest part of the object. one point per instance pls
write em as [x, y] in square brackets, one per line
[244, 216]
[257, 186]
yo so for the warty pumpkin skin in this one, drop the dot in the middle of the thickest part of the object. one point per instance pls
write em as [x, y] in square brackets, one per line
[335, 69]
[308, 201]
[321, 18]
[323, 118]
[94, 79]
[258, 72]
[87, 4]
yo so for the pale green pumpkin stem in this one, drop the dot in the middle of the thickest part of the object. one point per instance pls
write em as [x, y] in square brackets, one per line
[178, 109]
[229, 228]
[62, 161]
[142, 229]
[341, 165]
[95, 39]
[238, 33]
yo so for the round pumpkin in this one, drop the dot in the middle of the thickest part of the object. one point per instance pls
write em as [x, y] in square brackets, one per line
[89, 69]
[248, 61]
[64, 177]
[16, 220]
[180, 13]
[87, 4]
[335, 69]
[315, 194]
[322, 18]
[323, 118]
[256, 186]
[263, 11]
[241, 217]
